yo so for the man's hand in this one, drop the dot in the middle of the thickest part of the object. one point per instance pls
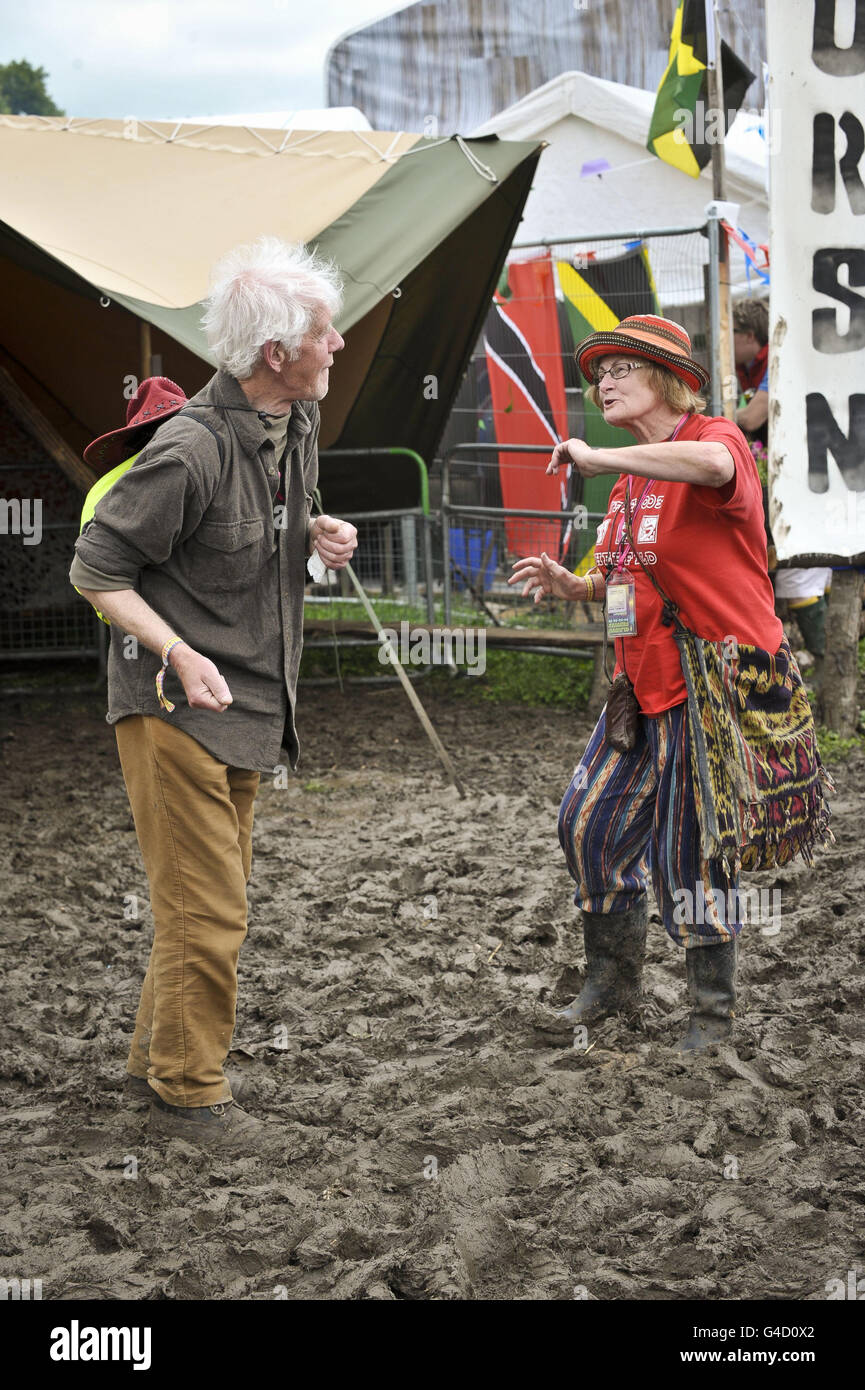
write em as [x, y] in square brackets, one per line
[204, 686]
[335, 541]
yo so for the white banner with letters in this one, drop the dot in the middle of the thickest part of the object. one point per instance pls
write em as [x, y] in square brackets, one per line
[816, 57]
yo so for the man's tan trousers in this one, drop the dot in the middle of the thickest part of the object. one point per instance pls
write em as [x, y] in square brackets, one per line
[193, 816]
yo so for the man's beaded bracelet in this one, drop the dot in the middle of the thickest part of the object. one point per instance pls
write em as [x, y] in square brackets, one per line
[167, 705]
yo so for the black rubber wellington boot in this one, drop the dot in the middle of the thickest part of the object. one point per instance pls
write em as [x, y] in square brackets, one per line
[615, 945]
[711, 993]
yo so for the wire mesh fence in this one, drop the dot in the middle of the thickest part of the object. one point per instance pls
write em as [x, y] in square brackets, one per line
[522, 383]
[481, 543]
[41, 617]
[393, 560]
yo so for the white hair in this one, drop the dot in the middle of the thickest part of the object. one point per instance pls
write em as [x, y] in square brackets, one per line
[267, 291]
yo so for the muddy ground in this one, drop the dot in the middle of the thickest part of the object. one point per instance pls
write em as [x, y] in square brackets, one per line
[402, 947]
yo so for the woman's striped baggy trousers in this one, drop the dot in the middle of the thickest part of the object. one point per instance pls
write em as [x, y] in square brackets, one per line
[626, 815]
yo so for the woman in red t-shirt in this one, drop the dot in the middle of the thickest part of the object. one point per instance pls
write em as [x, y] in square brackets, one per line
[696, 528]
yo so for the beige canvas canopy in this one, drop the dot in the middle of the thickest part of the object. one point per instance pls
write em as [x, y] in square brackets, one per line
[108, 225]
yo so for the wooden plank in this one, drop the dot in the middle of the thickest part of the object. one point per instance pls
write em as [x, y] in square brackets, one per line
[146, 346]
[584, 634]
[31, 417]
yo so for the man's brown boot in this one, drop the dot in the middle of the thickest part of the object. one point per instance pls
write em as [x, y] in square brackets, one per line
[222, 1127]
[138, 1087]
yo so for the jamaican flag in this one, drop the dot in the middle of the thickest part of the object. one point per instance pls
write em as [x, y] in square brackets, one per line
[683, 128]
[598, 293]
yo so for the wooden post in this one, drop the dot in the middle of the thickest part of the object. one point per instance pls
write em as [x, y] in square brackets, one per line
[715, 93]
[729, 387]
[387, 567]
[146, 349]
[31, 417]
[441, 752]
[840, 679]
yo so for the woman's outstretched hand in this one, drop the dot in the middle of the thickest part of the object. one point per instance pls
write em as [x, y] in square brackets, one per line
[587, 461]
[546, 577]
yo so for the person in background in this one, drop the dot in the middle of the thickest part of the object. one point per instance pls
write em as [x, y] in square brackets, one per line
[804, 591]
[198, 553]
[751, 355]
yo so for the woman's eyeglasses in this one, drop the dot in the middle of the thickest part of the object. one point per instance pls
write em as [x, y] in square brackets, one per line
[617, 371]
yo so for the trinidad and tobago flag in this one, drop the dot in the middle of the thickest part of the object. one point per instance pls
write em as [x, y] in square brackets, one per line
[524, 361]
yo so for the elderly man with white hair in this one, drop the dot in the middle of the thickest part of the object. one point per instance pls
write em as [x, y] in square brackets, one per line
[198, 555]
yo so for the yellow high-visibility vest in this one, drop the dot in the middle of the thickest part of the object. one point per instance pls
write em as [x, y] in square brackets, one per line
[94, 496]
[106, 483]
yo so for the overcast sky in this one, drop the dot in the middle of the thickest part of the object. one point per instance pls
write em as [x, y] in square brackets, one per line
[180, 57]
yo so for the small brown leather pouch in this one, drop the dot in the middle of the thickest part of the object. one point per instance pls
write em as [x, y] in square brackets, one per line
[622, 715]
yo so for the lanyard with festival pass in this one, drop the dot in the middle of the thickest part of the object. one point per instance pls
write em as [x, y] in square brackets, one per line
[620, 603]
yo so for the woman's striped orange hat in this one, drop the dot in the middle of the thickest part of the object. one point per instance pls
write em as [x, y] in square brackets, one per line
[649, 336]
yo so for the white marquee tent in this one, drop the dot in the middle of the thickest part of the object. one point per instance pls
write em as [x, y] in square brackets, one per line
[586, 121]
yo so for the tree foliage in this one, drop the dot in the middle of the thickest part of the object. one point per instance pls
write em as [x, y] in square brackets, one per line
[23, 92]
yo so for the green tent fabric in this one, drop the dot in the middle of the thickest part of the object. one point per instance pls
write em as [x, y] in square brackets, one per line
[420, 250]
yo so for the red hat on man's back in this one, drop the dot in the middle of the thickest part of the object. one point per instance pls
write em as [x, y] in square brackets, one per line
[156, 400]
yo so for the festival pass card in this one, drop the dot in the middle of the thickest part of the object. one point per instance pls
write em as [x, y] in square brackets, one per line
[621, 605]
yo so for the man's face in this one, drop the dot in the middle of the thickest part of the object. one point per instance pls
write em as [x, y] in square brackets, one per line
[306, 378]
[745, 348]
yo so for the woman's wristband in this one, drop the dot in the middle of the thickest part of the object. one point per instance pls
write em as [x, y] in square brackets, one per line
[592, 580]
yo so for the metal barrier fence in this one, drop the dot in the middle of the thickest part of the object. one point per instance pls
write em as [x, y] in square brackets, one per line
[37, 619]
[393, 561]
[410, 563]
[41, 617]
[480, 542]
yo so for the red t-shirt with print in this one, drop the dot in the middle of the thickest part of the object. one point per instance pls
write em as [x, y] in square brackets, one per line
[706, 547]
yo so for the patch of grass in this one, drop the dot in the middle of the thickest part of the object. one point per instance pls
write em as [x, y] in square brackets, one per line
[834, 748]
[516, 612]
[510, 677]
[524, 678]
[389, 612]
